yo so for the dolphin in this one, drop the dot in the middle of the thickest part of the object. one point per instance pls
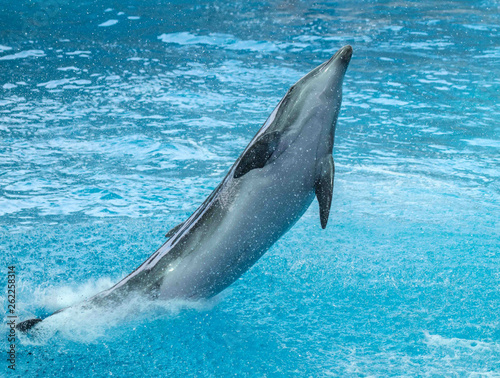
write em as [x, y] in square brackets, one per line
[286, 165]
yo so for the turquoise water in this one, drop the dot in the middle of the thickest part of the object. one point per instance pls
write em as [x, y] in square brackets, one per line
[117, 119]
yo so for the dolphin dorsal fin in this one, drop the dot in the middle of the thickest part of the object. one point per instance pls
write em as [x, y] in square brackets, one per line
[174, 230]
[324, 188]
[258, 154]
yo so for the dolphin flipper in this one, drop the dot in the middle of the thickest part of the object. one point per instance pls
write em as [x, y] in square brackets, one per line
[258, 154]
[324, 188]
[174, 230]
[27, 324]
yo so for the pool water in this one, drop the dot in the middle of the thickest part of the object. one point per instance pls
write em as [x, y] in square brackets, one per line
[117, 119]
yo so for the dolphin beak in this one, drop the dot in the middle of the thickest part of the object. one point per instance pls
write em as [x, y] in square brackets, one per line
[336, 66]
[342, 55]
[328, 77]
[345, 54]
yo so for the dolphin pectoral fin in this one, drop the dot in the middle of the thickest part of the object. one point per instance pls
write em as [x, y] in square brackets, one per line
[258, 154]
[324, 189]
[174, 230]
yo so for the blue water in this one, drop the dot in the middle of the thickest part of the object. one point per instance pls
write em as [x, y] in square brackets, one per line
[117, 119]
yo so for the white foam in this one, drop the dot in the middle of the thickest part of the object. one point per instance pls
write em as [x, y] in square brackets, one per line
[86, 324]
[482, 142]
[70, 68]
[23, 54]
[227, 41]
[55, 298]
[388, 101]
[108, 23]
[455, 343]
[55, 83]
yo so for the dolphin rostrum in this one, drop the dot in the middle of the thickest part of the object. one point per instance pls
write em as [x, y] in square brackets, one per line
[269, 187]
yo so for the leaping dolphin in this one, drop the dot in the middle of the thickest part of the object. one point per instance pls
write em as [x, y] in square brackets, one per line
[267, 190]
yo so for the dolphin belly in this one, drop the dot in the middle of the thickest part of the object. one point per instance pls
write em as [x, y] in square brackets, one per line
[233, 236]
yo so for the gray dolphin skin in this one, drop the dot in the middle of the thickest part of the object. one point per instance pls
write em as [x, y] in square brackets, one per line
[269, 187]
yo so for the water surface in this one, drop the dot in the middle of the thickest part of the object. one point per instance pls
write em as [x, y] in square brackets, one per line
[117, 119]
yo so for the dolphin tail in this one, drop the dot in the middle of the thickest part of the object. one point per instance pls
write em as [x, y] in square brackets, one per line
[26, 325]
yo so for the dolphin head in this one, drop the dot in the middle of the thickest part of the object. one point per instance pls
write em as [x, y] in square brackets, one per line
[304, 121]
[310, 108]
[325, 81]
[316, 98]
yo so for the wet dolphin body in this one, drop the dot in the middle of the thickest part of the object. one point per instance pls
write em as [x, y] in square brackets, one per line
[269, 187]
